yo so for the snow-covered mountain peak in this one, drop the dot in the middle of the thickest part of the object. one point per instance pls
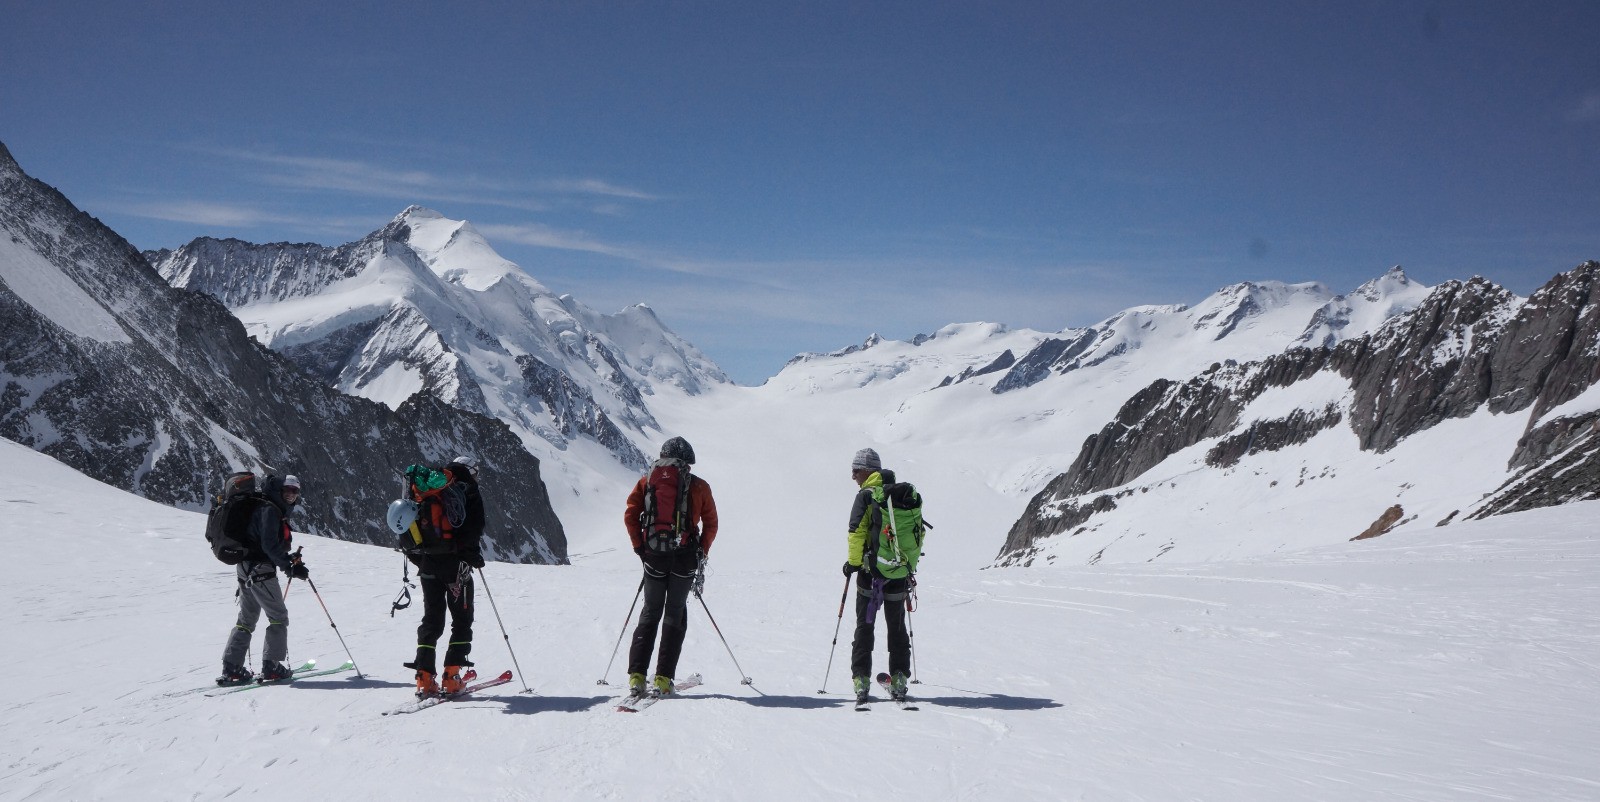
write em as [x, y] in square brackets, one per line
[1394, 282]
[454, 249]
[1364, 309]
[1234, 307]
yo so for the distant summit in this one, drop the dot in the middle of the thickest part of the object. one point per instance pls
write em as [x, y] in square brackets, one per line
[425, 305]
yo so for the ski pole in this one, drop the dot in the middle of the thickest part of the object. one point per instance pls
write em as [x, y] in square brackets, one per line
[744, 679]
[618, 647]
[911, 639]
[293, 558]
[496, 609]
[335, 627]
[835, 646]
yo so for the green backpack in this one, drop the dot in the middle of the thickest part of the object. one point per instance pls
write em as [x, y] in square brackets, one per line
[897, 516]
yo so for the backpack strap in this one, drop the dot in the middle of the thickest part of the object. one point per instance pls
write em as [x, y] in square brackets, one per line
[682, 521]
[869, 548]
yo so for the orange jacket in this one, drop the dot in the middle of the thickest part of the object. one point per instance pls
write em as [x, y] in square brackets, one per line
[702, 512]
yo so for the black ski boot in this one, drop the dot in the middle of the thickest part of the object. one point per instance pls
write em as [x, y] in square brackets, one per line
[275, 672]
[233, 674]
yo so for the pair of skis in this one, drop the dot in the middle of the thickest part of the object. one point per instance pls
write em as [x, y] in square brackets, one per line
[303, 671]
[888, 687]
[635, 704]
[434, 701]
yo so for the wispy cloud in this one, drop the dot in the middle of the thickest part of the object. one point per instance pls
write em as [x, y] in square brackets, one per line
[543, 236]
[232, 216]
[594, 186]
[368, 179]
[1587, 109]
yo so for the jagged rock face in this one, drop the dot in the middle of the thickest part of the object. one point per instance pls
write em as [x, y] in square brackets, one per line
[1561, 465]
[574, 412]
[1036, 365]
[1005, 360]
[1167, 417]
[1429, 365]
[160, 391]
[240, 273]
[1466, 345]
[1295, 428]
[1549, 350]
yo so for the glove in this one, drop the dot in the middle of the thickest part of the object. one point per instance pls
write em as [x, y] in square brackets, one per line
[639, 550]
[850, 569]
[299, 571]
[474, 560]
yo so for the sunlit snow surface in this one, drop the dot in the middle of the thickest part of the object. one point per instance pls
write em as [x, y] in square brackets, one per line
[1448, 663]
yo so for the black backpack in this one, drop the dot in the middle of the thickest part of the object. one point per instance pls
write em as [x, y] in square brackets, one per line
[665, 519]
[228, 524]
[441, 509]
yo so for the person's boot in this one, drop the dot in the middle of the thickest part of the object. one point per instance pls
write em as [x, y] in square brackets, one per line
[427, 684]
[663, 686]
[235, 674]
[274, 671]
[862, 684]
[636, 685]
[453, 681]
[897, 687]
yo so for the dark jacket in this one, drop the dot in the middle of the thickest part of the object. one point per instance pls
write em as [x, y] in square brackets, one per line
[269, 528]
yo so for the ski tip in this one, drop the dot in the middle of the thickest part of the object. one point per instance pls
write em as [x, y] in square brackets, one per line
[883, 676]
[506, 675]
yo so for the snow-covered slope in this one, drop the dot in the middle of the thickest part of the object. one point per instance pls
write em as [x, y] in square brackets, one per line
[981, 416]
[426, 305]
[1426, 665]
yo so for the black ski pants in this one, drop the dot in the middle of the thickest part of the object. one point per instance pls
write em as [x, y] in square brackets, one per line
[666, 603]
[452, 592]
[894, 618]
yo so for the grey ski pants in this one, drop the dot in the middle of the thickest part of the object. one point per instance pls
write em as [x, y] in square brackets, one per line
[259, 592]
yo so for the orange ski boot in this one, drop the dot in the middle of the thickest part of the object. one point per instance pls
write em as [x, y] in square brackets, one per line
[427, 684]
[453, 683]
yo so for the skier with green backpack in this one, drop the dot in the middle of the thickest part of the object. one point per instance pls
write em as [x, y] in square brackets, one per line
[885, 543]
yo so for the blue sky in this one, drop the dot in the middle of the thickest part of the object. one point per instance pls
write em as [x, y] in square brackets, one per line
[778, 177]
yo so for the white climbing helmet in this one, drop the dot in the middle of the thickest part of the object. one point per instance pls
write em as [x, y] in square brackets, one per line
[402, 514]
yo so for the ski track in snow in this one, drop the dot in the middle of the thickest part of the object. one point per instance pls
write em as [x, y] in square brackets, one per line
[1457, 663]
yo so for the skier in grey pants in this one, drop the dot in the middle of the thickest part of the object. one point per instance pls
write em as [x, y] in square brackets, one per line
[258, 586]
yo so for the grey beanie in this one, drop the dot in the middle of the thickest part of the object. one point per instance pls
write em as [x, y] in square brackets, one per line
[866, 459]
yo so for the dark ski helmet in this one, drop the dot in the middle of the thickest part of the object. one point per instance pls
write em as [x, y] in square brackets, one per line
[678, 448]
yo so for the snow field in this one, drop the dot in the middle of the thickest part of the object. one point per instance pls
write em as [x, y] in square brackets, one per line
[1452, 663]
